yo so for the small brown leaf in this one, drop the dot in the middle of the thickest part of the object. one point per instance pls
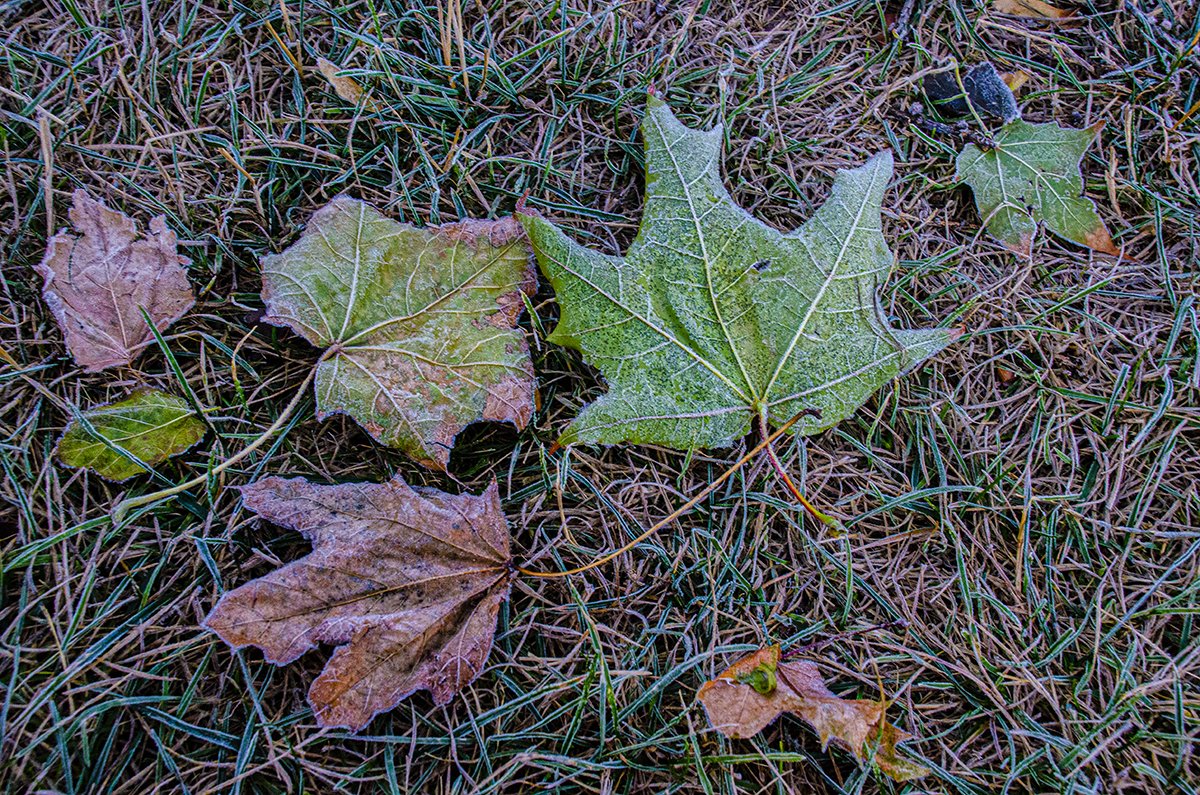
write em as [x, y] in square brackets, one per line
[346, 88]
[1035, 9]
[406, 582]
[97, 284]
[740, 704]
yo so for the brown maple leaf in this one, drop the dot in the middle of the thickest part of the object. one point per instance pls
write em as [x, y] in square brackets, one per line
[98, 283]
[406, 582]
[754, 691]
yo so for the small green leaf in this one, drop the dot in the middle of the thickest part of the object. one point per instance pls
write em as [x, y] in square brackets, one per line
[1033, 175]
[713, 319]
[419, 323]
[115, 440]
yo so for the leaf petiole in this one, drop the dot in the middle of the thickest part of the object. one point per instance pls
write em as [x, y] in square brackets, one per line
[765, 444]
[777, 465]
[122, 510]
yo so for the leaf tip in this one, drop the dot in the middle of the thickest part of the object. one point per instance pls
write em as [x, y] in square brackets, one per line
[1098, 239]
[1023, 247]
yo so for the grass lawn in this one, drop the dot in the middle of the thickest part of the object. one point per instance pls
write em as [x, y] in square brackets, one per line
[1021, 573]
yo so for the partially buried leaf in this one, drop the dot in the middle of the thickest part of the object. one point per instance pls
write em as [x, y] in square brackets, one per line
[1035, 9]
[406, 582]
[420, 323]
[713, 319]
[117, 439]
[738, 707]
[982, 88]
[98, 282]
[1033, 175]
[346, 88]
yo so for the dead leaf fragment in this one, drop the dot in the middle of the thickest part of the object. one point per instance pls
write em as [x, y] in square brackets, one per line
[97, 283]
[740, 705]
[347, 88]
[1035, 9]
[406, 582]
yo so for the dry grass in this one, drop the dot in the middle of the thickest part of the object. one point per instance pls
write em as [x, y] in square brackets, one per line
[1026, 503]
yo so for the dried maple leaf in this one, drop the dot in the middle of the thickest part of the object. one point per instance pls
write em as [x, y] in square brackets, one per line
[757, 689]
[420, 323]
[713, 320]
[406, 582]
[116, 440]
[97, 283]
[1031, 175]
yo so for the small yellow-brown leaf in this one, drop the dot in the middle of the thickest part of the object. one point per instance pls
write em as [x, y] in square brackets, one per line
[1035, 9]
[739, 709]
[345, 87]
[891, 763]
[1015, 80]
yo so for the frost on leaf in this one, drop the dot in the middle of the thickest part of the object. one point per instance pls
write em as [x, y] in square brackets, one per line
[1033, 175]
[982, 89]
[757, 689]
[98, 281]
[116, 440]
[407, 583]
[420, 323]
[713, 318]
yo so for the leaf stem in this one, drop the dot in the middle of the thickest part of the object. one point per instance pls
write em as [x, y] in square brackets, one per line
[122, 510]
[825, 518]
[765, 444]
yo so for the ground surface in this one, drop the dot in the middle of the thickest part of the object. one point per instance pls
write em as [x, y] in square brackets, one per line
[1026, 502]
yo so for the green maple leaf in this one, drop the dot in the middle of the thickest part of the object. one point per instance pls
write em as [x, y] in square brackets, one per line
[1033, 175]
[116, 440]
[419, 324]
[713, 319]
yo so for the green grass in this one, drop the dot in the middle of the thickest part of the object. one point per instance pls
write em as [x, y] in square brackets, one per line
[1026, 504]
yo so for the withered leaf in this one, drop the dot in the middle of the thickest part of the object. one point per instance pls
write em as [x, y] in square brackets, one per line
[1033, 9]
[97, 283]
[347, 88]
[406, 582]
[757, 689]
[420, 324]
